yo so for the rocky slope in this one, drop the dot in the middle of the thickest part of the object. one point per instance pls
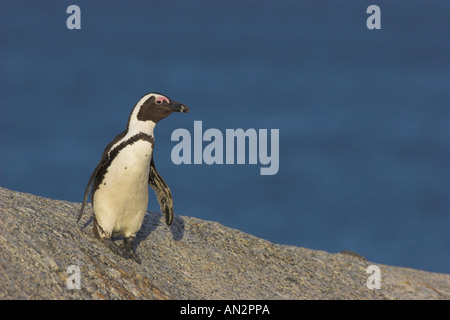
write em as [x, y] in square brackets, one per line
[42, 247]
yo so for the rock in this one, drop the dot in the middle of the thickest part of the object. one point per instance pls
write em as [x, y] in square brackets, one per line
[41, 245]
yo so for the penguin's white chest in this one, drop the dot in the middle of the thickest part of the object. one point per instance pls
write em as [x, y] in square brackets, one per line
[121, 200]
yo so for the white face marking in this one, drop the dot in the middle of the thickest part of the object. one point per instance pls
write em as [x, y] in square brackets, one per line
[159, 99]
[136, 126]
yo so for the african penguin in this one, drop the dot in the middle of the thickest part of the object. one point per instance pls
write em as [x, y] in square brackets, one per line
[120, 181]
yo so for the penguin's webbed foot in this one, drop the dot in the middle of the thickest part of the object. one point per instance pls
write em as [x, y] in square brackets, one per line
[128, 251]
[113, 246]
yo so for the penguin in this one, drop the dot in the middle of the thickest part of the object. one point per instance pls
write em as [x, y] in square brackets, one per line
[118, 186]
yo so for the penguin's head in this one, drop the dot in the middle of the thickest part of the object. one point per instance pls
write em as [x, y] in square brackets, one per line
[154, 107]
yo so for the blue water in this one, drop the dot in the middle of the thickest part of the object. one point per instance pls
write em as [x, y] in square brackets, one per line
[364, 115]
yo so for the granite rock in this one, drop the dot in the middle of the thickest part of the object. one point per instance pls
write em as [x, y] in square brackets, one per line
[41, 245]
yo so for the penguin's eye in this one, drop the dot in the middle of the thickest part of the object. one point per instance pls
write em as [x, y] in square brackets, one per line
[160, 100]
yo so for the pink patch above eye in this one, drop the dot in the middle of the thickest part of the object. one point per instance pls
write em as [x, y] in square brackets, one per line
[161, 99]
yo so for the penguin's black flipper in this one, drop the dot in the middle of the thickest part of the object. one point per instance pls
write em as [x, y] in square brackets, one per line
[89, 186]
[162, 193]
[92, 179]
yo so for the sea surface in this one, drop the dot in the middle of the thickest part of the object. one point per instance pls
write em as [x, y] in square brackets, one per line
[363, 115]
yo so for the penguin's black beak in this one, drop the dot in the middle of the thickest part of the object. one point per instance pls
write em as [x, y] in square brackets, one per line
[178, 107]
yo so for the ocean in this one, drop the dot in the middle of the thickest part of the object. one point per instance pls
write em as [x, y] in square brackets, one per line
[363, 114]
